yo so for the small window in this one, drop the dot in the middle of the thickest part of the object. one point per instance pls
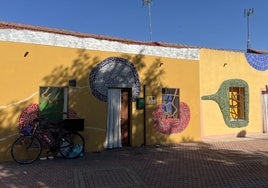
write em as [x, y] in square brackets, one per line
[170, 103]
[237, 103]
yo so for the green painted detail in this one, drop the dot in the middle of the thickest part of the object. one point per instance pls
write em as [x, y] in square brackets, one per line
[51, 103]
[221, 97]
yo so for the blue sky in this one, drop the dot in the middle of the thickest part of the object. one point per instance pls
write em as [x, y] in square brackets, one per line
[209, 23]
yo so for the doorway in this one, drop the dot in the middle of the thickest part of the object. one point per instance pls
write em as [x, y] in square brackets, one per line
[125, 116]
[265, 111]
[118, 118]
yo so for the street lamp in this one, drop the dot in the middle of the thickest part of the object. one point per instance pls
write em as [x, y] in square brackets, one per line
[148, 3]
[247, 14]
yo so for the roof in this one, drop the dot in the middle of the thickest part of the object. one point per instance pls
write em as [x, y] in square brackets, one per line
[17, 26]
[10, 25]
[256, 51]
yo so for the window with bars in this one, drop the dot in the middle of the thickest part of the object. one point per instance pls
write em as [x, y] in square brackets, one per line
[170, 103]
[237, 103]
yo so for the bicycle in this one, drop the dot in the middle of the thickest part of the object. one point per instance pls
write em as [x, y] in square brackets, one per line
[34, 138]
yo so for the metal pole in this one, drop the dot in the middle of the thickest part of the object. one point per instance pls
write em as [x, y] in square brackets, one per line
[248, 13]
[148, 3]
[150, 21]
[248, 40]
[144, 116]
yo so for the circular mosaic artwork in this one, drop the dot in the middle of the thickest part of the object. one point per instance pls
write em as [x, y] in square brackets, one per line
[171, 126]
[257, 61]
[114, 72]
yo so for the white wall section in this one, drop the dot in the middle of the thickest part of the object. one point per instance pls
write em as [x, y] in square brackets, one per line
[46, 38]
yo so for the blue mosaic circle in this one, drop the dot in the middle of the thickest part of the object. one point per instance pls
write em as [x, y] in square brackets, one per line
[257, 61]
[114, 72]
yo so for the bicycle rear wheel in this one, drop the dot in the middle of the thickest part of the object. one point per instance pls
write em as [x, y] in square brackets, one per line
[72, 145]
[26, 149]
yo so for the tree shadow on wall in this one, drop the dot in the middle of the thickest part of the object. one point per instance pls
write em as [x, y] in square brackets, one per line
[78, 70]
[80, 98]
[152, 77]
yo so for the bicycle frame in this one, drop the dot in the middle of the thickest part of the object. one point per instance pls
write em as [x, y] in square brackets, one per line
[70, 144]
[40, 133]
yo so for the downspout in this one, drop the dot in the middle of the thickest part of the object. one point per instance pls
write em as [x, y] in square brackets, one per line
[144, 116]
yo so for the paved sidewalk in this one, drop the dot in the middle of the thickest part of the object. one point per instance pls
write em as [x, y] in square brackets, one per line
[241, 162]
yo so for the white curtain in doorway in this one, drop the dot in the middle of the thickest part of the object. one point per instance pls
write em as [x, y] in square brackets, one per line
[113, 134]
[265, 111]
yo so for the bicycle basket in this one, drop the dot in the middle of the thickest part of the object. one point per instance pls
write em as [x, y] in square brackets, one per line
[26, 130]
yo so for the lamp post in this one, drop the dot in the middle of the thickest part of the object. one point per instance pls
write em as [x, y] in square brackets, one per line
[247, 14]
[148, 3]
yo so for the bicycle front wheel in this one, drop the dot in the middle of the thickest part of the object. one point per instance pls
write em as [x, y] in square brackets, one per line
[26, 149]
[72, 145]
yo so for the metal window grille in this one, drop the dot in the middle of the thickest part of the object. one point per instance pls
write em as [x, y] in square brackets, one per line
[237, 103]
[170, 103]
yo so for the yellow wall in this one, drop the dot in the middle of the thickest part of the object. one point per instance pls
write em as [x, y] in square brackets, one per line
[21, 76]
[173, 73]
[217, 66]
[44, 65]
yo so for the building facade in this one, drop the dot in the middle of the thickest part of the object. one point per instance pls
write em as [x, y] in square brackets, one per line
[129, 93]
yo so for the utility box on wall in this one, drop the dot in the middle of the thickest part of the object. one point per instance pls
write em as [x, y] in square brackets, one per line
[140, 103]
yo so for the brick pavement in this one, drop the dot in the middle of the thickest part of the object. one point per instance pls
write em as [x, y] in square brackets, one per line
[241, 162]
